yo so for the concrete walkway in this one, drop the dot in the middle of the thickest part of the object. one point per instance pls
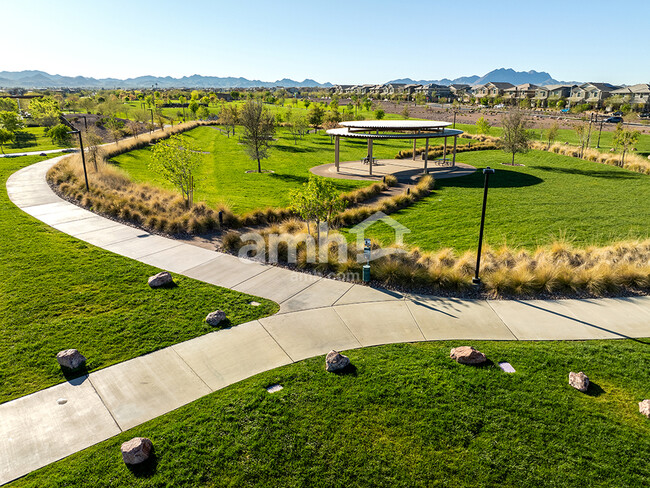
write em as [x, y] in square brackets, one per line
[316, 315]
[36, 153]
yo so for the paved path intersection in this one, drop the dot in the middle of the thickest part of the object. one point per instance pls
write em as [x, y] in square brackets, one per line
[316, 315]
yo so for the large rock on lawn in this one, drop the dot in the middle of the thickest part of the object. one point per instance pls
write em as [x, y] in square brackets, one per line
[644, 408]
[216, 317]
[137, 450]
[335, 361]
[467, 355]
[161, 279]
[579, 381]
[71, 359]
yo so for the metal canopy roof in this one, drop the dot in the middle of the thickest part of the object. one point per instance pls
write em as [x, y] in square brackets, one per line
[396, 125]
[345, 132]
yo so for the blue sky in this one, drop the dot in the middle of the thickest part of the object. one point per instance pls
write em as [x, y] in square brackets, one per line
[354, 41]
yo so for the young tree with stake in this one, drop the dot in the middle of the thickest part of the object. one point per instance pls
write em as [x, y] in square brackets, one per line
[259, 129]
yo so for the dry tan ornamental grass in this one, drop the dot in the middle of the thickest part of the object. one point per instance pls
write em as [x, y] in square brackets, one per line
[558, 269]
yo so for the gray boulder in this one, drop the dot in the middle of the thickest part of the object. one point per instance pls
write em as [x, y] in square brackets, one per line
[161, 279]
[579, 381]
[216, 317]
[467, 355]
[644, 408]
[70, 358]
[335, 361]
[137, 450]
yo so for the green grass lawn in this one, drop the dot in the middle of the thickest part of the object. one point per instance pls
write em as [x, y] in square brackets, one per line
[57, 292]
[407, 417]
[31, 139]
[550, 198]
[222, 178]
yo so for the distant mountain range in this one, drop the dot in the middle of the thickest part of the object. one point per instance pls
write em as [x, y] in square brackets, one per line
[40, 79]
[502, 74]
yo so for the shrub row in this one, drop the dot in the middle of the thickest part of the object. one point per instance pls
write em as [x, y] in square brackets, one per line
[436, 151]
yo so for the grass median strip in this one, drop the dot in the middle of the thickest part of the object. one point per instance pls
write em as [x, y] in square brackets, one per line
[57, 292]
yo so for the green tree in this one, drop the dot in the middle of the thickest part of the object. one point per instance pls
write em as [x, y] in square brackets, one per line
[367, 103]
[5, 137]
[317, 200]
[551, 134]
[515, 137]
[405, 112]
[8, 105]
[11, 121]
[195, 95]
[87, 104]
[316, 115]
[379, 114]
[259, 128]
[581, 130]
[148, 100]
[115, 128]
[194, 107]
[229, 116]
[60, 134]
[624, 139]
[306, 102]
[203, 113]
[45, 111]
[482, 126]
[175, 159]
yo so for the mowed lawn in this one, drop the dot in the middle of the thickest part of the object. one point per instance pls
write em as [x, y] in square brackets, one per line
[408, 416]
[550, 198]
[32, 139]
[57, 292]
[222, 177]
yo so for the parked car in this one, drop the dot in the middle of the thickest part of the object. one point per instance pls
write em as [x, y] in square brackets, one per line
[614, 120]
[617, 114]
[645, 115]
[565, 110]
[499, 106]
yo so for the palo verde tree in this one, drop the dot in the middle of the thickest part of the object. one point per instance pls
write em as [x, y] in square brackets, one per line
[483, 126]
[259, 128]
[175, 159]
[624, 139]
[45, 111]
[317, 200]
[516, 137]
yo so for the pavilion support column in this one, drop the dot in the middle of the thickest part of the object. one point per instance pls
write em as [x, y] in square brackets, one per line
[370, 157]
[426, 156]
[444, 153]
[414, 147]
[336, 152]
[453, 161]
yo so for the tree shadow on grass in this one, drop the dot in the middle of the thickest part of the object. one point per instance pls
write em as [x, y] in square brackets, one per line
[289, 178]
[601, 173]
[297, 148]
[23, 139]
[502, 178]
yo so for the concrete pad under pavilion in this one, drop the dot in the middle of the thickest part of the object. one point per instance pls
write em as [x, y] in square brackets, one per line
[372, 130]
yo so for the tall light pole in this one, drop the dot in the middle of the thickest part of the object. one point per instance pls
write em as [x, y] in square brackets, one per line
[81, 146]
[487, 172]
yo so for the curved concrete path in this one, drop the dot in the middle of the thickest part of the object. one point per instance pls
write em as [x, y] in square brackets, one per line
[316, 315]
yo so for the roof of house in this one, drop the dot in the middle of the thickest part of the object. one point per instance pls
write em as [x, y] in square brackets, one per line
[638, 88]
[503, 85]
[523, 87]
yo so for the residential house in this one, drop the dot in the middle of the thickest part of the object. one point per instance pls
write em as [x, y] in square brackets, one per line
[519, 92]
[544, 94]
[492, 89]
[459, 91]
[592, 93]
[636, 95]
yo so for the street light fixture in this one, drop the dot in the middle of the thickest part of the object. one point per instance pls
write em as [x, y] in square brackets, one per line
[487, 172]
[83, 157]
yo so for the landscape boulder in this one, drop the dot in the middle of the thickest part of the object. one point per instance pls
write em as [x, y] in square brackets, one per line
[579, 381]
[137, 450]
[335, 361]
[467, 355]
[644, 408]
[216, 317]
[71, 359]
[161, 279]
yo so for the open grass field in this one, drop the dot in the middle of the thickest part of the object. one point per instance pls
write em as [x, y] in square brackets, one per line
[407, 417]
[222, 177]
[31, 139]
[58, 293]
[552, 197]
